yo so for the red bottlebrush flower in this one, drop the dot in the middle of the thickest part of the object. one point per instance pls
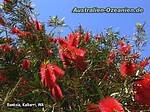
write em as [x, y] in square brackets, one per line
[25, 63]
[27, 33]
[58, 71]
[75, 52]
[87, 37]
[21, 34]
[15, 30]
[109, 61]
[93, 108]
[80, 63]
[28, 24]
[110, 104]
[3, 78]
[121, 44]
[133, 110]
[70, 53]
[80, 52]
[8, 40]
[48, 77]
[57, 93]
[65, 57]
[62, 42]
[50, 53]
[38, 25]
[111, 57]
[52, 40]
[135, 55]
[23, 82]
[143, 64]
[5, 48]
[21, 51]
[24, 34]
[142, 90]
[49, 72]
[7, 1]
[127, 68]
[124, 50]
[73, 39]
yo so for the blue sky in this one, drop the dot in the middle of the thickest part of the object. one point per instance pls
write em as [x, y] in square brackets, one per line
[124, 22]
[97, 22]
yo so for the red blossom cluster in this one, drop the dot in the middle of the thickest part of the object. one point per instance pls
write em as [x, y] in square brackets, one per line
[111, 57]
[108, 104]
[128, 68]
[124, 49]
[142, 87]
[23, 82]
[37, 25]
[3, 78]
[143, 64]
[142, 90]
[20, 33]
[7, 1]
[74, 52]
[69, 51]
[25, 63]
[49, 73]
[5, 47]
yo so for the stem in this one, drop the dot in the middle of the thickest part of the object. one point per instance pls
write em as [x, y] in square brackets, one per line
[10, 94]
[86, 70]
[53, 29]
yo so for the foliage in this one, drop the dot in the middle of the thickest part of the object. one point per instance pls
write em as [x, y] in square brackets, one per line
[71, 73]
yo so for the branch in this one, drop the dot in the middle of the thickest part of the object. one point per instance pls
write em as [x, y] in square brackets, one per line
[10, 94]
